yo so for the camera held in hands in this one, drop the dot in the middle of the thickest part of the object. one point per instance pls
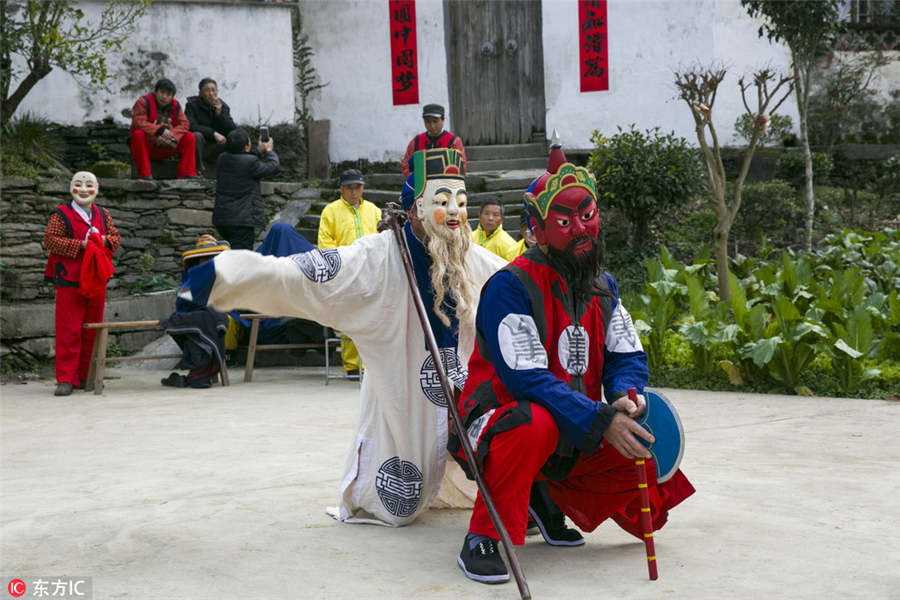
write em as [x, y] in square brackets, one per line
[264, 134]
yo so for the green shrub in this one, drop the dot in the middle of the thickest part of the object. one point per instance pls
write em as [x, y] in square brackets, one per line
[644, 173]
[780, 126]
[29, 146]
[791, 167]
[770, 209]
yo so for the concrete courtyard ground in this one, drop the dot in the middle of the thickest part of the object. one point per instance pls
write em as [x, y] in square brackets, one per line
[161, 493]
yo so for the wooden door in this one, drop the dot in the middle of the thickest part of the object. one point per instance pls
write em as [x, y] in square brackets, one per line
[495, 63]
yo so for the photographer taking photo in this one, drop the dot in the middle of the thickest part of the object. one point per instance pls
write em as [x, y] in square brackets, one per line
[238, 211]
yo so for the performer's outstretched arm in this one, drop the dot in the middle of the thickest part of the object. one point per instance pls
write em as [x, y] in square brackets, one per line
[341, 287]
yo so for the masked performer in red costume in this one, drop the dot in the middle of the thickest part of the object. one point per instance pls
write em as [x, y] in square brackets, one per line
[81, 238]
[552, 340]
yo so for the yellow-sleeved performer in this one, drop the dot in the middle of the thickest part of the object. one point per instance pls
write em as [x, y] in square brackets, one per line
[344, 221]
[490, 233]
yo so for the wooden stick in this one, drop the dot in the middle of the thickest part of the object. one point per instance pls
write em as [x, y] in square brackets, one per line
[389, 216]
[646, 522]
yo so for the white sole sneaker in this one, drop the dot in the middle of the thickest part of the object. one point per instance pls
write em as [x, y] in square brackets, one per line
[547, 538]
[481, 578]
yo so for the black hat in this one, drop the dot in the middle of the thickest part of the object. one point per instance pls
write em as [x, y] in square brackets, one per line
[433, 110]
[351, 176]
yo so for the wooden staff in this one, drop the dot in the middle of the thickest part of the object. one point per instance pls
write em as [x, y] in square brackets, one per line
[390, 217]
[646, 523]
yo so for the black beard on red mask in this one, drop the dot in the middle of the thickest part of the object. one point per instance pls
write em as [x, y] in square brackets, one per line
[579, 272]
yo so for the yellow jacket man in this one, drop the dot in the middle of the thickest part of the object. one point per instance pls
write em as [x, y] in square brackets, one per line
[490, 233]
[344, 221]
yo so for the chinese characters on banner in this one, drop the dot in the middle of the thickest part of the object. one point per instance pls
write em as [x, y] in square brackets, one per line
[592, 49]
[404, 63]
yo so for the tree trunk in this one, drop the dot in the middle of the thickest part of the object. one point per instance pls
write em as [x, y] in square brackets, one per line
[12, 103]
[802, 90]
[720, 244]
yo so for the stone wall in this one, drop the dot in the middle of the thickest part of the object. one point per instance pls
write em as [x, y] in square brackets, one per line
[158, 220]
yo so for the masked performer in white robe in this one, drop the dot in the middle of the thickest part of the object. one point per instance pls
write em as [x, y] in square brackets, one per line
[398, 454]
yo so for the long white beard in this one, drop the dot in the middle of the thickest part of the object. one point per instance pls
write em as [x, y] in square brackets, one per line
[449, 272]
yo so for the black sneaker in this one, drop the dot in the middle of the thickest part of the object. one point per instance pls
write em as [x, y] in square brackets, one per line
[174, 380]
[63, 389]
[483, 562]
[550, 520]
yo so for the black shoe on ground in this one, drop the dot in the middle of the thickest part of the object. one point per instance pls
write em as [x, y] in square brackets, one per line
[555, 531]
[483, 563]
[63, 389]
[174, 380]
[550, 520]
[80, 385]
[147, 178]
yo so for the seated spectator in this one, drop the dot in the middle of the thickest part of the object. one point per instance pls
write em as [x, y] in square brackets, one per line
[434, 136]
[211, 122]
[159, 129]
[197, 329]
[344, 221]
[238, 210]
[490, 233]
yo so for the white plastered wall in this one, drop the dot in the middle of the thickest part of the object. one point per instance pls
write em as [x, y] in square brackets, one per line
[245, 48]
[648, 40]
[351, 40]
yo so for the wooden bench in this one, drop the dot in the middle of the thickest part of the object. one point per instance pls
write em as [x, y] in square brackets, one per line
[99, 358]
[253, 346]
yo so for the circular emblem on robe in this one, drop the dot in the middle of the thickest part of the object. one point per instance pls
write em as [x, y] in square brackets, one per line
[431, 384]
[319, 265]
[573, 349]
[399, 485]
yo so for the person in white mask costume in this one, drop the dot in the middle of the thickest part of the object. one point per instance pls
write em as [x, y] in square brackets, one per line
[80, 235]
[398, 453]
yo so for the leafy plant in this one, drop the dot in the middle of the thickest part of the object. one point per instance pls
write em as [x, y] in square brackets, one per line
[29, 146]
[57, 33]
[791, 166]
[778, 128]
[642, 173]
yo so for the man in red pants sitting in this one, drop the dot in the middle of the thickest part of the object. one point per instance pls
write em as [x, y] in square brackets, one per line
[160, 129]
[552, 340]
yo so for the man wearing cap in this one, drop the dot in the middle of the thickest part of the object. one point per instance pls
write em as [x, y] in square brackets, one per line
[398, 455]
[343, 222]
[553, 341]
[434, 136]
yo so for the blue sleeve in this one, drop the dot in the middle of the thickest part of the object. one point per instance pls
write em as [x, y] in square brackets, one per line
[198, 283]
[506, 324]
[625, 366]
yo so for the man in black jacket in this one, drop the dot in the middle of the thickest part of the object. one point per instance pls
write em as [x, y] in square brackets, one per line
[239, 208]
[210, 120]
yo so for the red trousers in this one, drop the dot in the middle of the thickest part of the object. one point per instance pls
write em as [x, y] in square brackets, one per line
[601, 485]
[74, 343]
[142, 151]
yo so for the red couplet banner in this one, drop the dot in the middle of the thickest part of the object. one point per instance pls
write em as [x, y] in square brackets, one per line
[592, 51]
[404, 62]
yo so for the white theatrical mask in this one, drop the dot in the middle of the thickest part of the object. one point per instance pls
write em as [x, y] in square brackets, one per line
[84, 188]
[443, 203]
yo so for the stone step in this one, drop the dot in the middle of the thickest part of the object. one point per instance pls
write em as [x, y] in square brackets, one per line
[507, 164]
[380, 197]
[505, 151]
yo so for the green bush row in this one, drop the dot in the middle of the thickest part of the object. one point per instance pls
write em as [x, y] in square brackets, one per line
[836, 310]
